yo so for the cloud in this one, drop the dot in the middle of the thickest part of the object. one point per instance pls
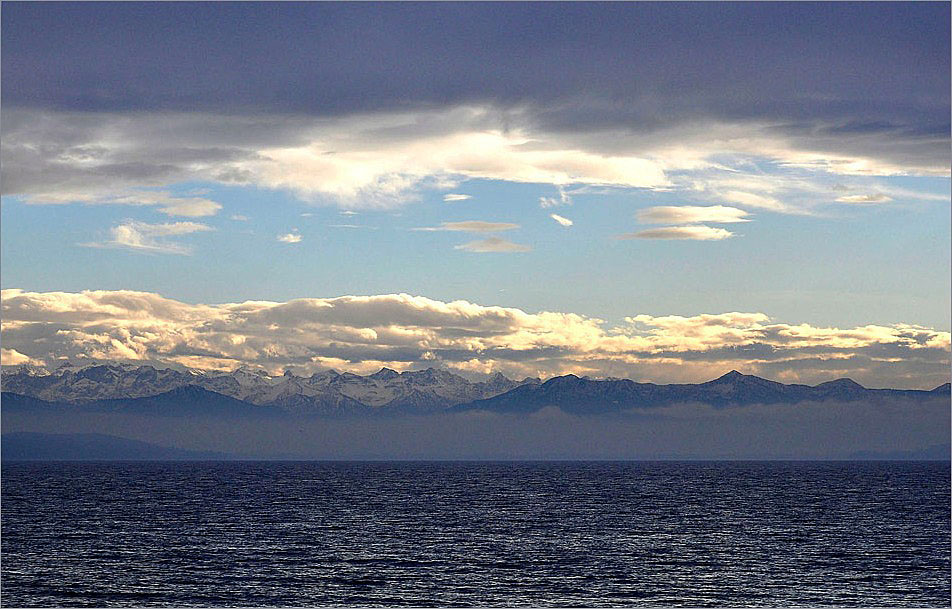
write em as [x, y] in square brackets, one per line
[453, 197]
[412, 112]
[493, 244]
[688, 214]
[874, 93]
[753, 200]
[191, 208]
[482, 246]
[351, 226]
[791, 192]
[695, 233]
[238, 218]
[391, 169]
[292, 237]
[141, 236]
[385, 160]
[561, 220]
[363, 333]
[564, 199]
[471, 226]
[872, 198]
[167, 203]
[12, 357]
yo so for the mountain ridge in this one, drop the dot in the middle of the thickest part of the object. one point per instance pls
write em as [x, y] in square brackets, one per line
[387, 392]
[323, 392]
[586, 396]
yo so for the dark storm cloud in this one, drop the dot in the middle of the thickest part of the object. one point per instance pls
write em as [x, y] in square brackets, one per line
[849, 63]
[102, 99]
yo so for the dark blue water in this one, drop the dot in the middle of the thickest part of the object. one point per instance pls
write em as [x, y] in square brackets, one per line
[600, 534]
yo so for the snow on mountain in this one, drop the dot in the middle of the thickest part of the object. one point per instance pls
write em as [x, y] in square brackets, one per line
[75, 383]
[421, 391]
[27, 369]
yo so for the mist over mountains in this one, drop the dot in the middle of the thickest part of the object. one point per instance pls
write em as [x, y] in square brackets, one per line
[245, 392]
[93, 411]
[29, 446]
[587, 396]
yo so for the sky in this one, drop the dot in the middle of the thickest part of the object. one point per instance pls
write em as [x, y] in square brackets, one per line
[656, 191]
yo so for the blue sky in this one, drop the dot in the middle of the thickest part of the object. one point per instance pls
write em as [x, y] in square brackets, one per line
[866, 265]
[784, 160]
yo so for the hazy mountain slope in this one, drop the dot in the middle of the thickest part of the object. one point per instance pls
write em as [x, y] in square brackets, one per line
[90, 446]
[187, 401]
[585, 396]
[244, 392]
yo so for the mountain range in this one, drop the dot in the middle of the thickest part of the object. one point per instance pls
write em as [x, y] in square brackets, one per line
[114, 387]
[587, 396]
[244, 392]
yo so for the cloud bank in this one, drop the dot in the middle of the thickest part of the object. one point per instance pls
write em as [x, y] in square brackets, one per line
[427, 96]
[847, 76]
[363, 333]
[382, 161]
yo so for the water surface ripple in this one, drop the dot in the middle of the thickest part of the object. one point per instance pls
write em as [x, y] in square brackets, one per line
[424, 534]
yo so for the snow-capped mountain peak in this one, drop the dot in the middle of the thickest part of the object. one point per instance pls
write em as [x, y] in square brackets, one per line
[416, 391]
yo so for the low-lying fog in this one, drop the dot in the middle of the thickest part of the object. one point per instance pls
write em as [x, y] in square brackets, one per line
[810, 430]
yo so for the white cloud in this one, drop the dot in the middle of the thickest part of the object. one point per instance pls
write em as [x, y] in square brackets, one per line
[695, 233]
[564, 199]
[394, 170]
[791, 193]
[872, 198]
[12, 357]
[140, 236]
[471, 226]
[493, 244]
[688, 214]
[167, 203]
[751, 199]
[239, 218]
[191, 208]
[362, 333]
[385, 160]
[561, 220]
[453, 197]
[292, 237]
